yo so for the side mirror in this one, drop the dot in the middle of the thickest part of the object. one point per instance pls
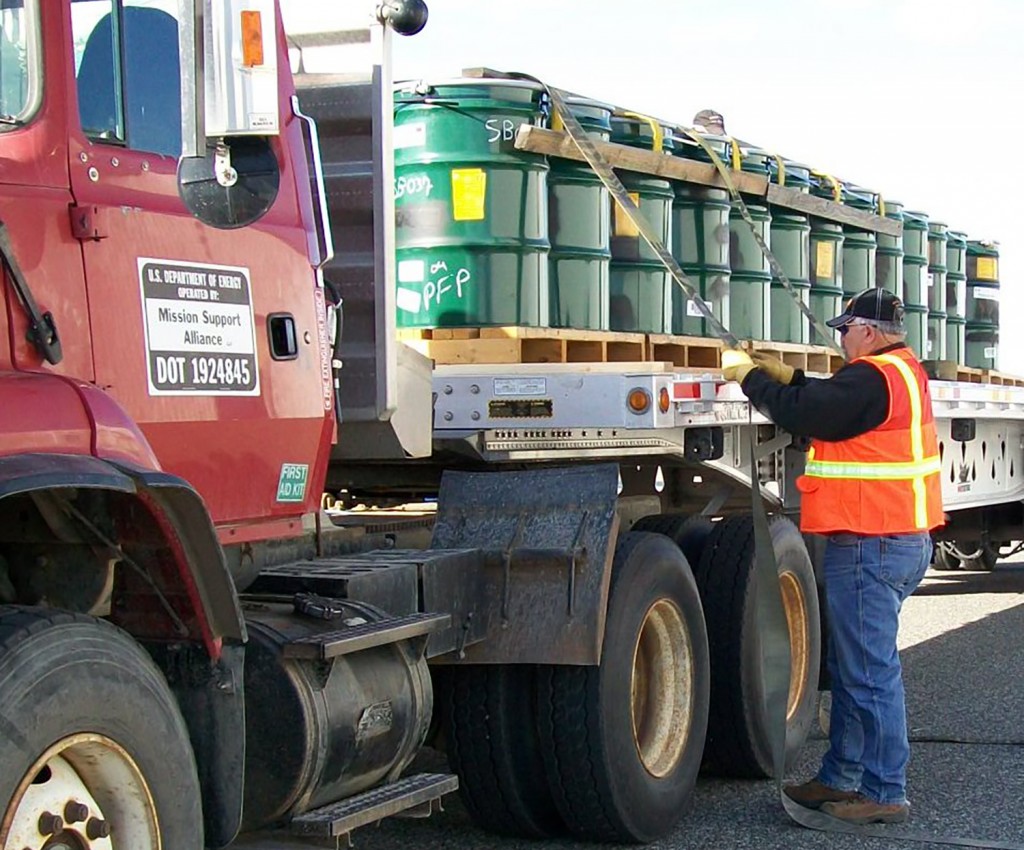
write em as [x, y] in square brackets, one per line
[228, 175]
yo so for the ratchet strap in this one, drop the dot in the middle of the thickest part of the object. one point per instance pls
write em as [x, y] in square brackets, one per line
[611, 181]
[776, 266]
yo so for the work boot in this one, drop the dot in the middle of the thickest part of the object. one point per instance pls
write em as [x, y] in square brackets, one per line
[813, 793]
[861, 811]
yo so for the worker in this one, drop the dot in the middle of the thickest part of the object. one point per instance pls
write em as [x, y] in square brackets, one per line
[871, 483]
[710, 122]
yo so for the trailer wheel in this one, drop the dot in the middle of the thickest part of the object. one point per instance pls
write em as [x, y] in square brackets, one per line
[738, 741]
[92, 742]
[493, 745]
[623, 741]
[982, 555]
[943, 559]
[688, 532]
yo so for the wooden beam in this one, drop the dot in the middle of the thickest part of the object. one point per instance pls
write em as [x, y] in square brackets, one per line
[812, 205]
[550, 143]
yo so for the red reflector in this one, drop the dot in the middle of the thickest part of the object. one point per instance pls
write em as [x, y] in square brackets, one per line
[685, 389]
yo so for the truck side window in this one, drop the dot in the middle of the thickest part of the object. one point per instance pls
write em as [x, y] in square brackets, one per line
[14, 73]
[128, 74]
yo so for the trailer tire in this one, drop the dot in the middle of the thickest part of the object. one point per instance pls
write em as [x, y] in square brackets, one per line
[739, 740]
[493, 745]
[86, 715]
[688, 531]
[622, 741]
[943, 559]
[982, 558]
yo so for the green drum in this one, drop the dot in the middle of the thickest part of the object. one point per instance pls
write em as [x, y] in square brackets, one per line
[826, 252]
[915, 235]
[579, 218]
[917, 329]
[750, 282]
[755, 160]
[935, 348]
[700, 244]
[982, 331]
[956, 278]
[982, 347]
[937, 242]
[956, 349]
[640, 285]
[471, 225]
[889, 256]
[791, 241]
[792, 175]
[859, 246]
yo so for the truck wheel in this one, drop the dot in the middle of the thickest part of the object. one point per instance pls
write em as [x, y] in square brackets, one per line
[738, 735]
[493, 746]
[688, 532]
[943, 559]
[623, 741]
[92, 742]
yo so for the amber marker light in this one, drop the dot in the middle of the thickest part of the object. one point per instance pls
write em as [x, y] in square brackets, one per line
[663, 400]
[252, 39]
[639, 400]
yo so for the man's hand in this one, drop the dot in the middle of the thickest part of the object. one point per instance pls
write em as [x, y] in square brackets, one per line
[736, 364]
[773, 367]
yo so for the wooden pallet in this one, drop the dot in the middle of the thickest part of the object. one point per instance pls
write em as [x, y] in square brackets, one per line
[950, 370]
[693, 352]
[525, 345]
[1002, 379]
[810, 358]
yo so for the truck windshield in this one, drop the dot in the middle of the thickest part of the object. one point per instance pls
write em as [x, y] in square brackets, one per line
[19, 62]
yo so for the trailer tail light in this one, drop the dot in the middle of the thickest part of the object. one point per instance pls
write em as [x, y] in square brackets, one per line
[639, 400]
[663, 400]
[252, 39]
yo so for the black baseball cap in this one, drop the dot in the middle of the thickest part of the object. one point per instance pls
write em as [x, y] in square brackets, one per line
[875, 305]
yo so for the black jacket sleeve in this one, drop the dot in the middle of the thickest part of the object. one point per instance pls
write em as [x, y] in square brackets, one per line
[852, 402]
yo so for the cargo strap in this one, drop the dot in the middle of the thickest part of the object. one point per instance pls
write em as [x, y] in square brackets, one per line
[611, 181]
[776, 266]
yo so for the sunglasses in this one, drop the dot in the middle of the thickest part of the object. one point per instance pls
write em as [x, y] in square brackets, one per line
[845, 329]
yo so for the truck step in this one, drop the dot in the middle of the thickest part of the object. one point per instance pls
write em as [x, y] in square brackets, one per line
[364, 636]
[340, 818]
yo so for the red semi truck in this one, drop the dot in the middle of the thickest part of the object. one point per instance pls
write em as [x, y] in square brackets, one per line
[191, 651]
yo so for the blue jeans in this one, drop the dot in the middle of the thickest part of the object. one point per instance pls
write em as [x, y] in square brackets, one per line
[866, 581]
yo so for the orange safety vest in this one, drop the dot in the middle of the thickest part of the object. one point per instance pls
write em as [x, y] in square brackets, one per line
[886, 481]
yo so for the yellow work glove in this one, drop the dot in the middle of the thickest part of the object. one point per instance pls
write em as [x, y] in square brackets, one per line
[773, 367]
[736, 364]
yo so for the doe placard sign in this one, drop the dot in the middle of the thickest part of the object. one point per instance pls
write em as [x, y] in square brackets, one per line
[200, 332]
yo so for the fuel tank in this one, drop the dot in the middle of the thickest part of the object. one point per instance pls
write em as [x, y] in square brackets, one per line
[318, 731]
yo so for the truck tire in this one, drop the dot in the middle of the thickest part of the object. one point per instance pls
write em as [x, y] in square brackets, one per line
[688, 531]
[622, 741]
[738, 740]
[87, 718]
[493, 746]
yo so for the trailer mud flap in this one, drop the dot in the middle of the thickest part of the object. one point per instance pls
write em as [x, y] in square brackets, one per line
[547, 538]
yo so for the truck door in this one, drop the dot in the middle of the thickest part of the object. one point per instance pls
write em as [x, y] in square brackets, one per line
[208, 337]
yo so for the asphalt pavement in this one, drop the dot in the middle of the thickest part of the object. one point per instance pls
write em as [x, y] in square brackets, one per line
[960, 641]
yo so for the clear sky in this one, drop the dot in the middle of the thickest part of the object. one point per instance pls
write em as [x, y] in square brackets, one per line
[921, 100]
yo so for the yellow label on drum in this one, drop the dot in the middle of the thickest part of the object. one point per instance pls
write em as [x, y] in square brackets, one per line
[826, 258]
[623, 223]
[987, 268]
[469, 194]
